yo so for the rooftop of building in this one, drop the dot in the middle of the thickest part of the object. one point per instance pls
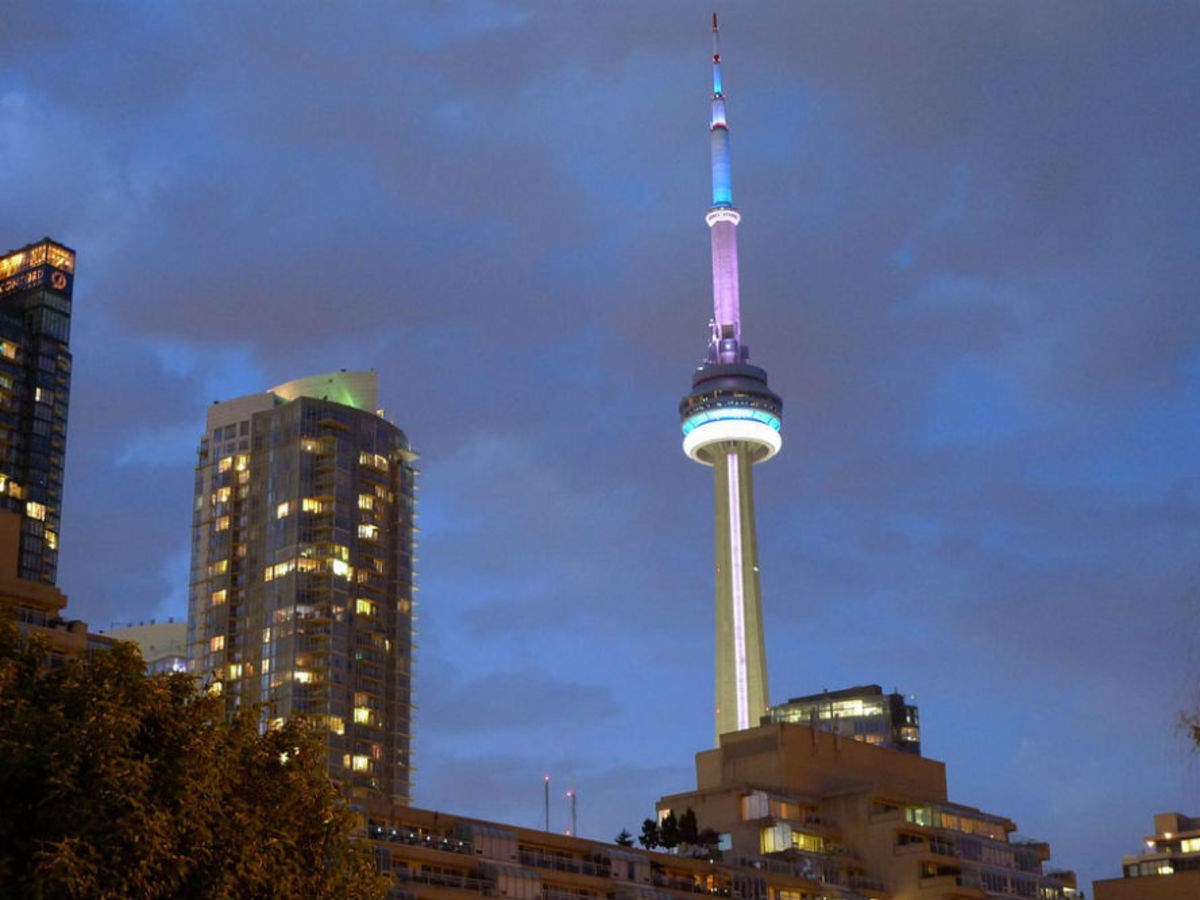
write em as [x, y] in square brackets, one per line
[358, 389]
[36, 254]
[861, 690]
[155, 639]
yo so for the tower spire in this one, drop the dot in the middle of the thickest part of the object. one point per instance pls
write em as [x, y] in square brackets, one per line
[726, 343]
[731, 421]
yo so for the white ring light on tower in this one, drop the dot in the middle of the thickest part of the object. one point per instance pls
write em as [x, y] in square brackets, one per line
[746, 430]
[722, 214]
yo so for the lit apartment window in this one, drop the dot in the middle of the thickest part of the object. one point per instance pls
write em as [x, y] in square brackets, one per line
[1189, 845]
[336, 725]
[51, 540]
[218, 597]
[222, 524]
[266, 635]
[241, 462]
[8, 350]
[225, 464]
[364, 607]
[311, 505]
[235, 671]
[341, 569]
[308, 445]
[366, 501]
[217, 643]
[368, 532]
[282, 509]
[35, 510]
[302, 676]
[360, 762]
[362, 715]
[373, 459]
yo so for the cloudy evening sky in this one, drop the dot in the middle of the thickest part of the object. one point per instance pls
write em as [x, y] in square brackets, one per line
[969, 263]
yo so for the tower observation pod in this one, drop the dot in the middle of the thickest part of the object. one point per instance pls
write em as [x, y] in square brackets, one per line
[731, 422]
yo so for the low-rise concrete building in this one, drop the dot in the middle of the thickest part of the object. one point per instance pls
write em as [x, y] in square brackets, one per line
[1167, 869]
[846, 812]
[434, 856]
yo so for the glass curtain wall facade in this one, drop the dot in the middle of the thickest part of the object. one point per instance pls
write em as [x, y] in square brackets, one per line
[36, 282]
[864, 713]
[302, 575]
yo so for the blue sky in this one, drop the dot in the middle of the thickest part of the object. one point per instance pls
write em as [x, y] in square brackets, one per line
[968, 262]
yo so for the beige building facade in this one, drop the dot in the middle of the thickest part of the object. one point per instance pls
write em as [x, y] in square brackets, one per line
[848, 813]
[1167, 869]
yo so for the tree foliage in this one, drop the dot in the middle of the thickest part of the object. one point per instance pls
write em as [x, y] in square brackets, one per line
[649, 838]
[624, 839]
[120, 784]
[668, 831]
[689, 831]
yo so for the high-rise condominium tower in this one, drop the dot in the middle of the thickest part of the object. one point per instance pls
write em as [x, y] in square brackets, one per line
[35, 383]
[301, 591]
[731, 421]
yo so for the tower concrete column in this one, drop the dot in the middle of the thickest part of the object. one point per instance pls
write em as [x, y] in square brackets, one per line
[741, 663]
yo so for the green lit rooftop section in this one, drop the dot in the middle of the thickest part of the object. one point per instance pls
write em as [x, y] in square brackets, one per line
[359, 389]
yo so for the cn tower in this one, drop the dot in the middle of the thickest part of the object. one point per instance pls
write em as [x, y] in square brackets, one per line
[731, 422]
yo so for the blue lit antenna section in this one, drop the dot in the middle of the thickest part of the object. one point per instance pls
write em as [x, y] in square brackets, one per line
[722, 181]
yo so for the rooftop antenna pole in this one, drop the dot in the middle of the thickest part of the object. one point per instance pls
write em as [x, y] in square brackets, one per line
[574, 822]
[547, 787]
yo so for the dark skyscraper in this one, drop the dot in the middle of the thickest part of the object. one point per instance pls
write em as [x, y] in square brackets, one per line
[35, 383]
[301, 589]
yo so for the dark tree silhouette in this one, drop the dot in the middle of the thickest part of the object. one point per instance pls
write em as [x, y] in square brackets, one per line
[668, 831]
[649, 838]
[624, 839]
[120, 784]
[689, 831]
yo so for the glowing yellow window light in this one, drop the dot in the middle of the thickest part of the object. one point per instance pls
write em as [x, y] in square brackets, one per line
[35, 510]
[362, 715]
[361, 763]
[219, 597]
[217, 643]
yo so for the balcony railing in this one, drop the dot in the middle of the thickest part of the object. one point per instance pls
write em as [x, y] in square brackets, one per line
[566, 864]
